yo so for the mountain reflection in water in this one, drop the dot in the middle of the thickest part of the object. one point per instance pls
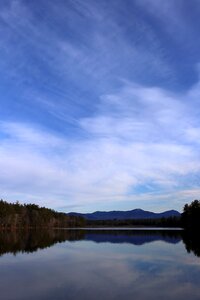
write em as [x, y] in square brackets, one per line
[33, 240]
[99, 264]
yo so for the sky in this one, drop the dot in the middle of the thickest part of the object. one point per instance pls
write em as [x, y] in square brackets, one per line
[100, 103]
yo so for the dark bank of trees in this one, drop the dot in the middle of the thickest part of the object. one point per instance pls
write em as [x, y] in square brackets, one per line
[191, 216]
[189, 220]
[32, 216]
[163, 222]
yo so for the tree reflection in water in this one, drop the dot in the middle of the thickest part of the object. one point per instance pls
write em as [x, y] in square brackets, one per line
[33, 240]
[191, 241]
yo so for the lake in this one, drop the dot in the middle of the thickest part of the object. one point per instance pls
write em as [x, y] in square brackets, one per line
[99, 264]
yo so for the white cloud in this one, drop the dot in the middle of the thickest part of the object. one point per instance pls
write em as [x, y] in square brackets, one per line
[133, 137]
[139, 137]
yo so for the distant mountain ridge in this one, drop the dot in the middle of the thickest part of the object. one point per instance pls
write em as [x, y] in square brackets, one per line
[125, 215]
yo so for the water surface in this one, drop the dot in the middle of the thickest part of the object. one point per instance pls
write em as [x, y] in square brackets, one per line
[99, 264]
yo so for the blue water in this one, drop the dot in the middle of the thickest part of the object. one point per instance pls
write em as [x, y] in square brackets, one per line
[98, 265]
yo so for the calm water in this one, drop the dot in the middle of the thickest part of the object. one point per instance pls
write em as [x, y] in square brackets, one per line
[102, 264]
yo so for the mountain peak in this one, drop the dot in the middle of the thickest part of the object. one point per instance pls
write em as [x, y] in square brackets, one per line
[137, 213]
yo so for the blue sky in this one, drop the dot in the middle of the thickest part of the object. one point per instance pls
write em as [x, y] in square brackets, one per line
[99, 103]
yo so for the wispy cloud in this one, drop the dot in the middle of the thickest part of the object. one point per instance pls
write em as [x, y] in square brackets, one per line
[134, 140]
[100, 103]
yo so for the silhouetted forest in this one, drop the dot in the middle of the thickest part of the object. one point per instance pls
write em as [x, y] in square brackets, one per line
[23, 217]
[191, 216]
[163, 222]
[190, 219]
[31, 216]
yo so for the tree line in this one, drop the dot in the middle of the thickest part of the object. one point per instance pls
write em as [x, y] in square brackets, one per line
[161, 222]
[189, 219]
[15, 215]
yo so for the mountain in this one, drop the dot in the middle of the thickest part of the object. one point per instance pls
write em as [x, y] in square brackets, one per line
[124, 215]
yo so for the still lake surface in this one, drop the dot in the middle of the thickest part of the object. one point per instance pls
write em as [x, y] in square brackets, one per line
[99, 264]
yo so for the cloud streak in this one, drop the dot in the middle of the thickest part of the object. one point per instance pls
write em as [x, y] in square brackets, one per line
[134, 141]
[100, 103]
